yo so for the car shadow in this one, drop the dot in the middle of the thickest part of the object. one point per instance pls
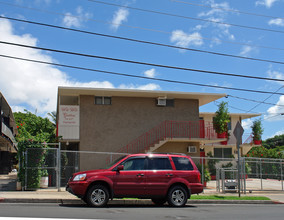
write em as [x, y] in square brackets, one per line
[125, 206]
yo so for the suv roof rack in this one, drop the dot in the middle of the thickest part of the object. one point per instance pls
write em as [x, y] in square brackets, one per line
[182, 154]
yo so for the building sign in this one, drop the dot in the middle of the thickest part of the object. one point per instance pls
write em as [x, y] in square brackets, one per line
[69, 122]
[69, 115]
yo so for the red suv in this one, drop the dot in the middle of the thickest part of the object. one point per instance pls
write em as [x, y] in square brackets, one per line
[163, 178]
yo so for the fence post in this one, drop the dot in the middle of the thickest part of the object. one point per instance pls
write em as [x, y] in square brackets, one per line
[244, 175]
[217, 179]
[202, 168]
[26, 165]
[281, 174]
[59, 167]
[260, 172]
[223, 180]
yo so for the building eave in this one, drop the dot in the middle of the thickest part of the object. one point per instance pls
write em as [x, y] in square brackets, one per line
[203, 98]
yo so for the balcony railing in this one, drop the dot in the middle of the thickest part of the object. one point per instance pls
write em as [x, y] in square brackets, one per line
[8, 133]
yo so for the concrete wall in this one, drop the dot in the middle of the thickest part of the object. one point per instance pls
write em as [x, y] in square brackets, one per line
[107, 128]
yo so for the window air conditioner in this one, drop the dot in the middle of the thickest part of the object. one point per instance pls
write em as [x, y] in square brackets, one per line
[162, 102]
[191, 149]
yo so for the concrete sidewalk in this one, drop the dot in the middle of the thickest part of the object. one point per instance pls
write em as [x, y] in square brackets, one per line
[64, 197]
[9, 195]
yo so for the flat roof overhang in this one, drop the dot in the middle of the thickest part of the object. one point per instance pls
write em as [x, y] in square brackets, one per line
[242, 115]
[203, 98]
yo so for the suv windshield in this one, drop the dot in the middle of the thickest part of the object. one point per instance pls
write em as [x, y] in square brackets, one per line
[114, 162]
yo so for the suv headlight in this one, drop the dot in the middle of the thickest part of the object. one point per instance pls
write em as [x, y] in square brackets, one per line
[80, 177]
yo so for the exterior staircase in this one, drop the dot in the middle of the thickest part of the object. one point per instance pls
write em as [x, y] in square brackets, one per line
[168, 130]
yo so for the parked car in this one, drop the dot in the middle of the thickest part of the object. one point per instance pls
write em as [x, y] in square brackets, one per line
[163, 178]
[231, 184]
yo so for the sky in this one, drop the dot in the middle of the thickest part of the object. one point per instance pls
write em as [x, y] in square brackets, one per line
[240, 29]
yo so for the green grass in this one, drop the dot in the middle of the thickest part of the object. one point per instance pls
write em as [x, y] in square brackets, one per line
[215, 197]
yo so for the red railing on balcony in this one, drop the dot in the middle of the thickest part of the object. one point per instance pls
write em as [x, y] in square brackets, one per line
[170, 129]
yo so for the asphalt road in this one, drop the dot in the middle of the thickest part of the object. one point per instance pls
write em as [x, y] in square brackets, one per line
[145, 212]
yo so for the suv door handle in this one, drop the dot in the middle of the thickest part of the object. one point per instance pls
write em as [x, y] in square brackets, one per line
[169, 174]
[140, 175]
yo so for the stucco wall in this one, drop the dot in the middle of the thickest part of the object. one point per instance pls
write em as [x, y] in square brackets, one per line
[107, 128]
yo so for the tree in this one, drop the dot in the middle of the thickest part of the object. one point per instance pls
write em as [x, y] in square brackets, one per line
[257, 130]
[32, 132]
[221, 119]
[32, 127]
[277, 140]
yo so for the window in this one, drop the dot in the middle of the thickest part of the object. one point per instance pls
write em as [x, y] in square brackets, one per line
[101, 100]
[170, 103]
[159, 164]
[230, 124]
[222, 152]
[182, 163]
[134, 164]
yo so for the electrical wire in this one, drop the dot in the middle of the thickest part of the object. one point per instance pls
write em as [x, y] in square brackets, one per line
[226, 9]
[187, 17]
[252, 100]
[141, 63]
[233, 107]
[144, 29]
[142, 41]
[264, 100]
[135, 76]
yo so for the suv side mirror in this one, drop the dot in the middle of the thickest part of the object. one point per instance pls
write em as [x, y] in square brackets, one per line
[120, 167]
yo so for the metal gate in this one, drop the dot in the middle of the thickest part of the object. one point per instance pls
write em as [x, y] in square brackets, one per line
[41, 168]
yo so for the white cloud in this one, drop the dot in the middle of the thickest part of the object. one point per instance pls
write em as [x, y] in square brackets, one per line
[217, 15]
[215, 9]
[247, 51]
[150, 86]
[276, 75]
[76, 20]
[33, 86]
[247, 123]
[278, 133]
[277, 21]
[274, 112]
[182, 39]
[225, 84]
[266, 3]
[119, 16]
[150, 73]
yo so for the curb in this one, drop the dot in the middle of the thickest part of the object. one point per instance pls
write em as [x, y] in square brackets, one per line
[135, 202]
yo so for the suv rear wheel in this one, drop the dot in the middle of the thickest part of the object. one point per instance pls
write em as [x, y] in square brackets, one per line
[97, 196]
[177, 196]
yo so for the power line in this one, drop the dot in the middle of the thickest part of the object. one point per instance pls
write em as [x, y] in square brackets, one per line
[141, 63]
[252, 100]
[187, 17]
[145, 29]
[135, 76]
[265, 99]
[233, 107]
[227, 9]
[141, 41]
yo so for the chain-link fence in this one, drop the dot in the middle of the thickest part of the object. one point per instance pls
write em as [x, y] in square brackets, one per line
[264, 174]
[52, 167]
[40, 168]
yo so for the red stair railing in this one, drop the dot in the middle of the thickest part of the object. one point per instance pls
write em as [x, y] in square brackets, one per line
[169, 129]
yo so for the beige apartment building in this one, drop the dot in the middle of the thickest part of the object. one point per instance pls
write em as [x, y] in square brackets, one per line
[229, 149]
[132, 121]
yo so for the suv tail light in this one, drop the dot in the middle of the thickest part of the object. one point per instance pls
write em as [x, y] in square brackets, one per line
[199, 177]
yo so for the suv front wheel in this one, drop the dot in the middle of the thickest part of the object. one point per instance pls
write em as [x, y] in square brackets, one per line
[97, 196]
[177, 196]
